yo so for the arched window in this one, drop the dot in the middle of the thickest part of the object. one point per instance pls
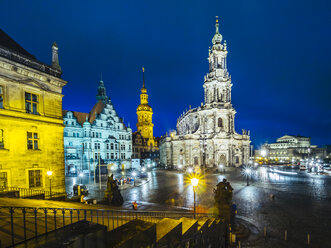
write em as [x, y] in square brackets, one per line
[220, 122]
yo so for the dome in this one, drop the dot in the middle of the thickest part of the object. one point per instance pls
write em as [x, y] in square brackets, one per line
[217, 39]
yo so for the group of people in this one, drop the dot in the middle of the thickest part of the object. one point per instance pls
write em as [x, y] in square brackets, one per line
[223, 192]
[125, 180]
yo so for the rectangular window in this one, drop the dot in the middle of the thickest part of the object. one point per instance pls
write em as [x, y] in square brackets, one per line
[107, 146]
[97, 146]
[2, 139]
[107, 155]
[122, 147]
[112, 146]
[97, 135]
[31, 103]
[1, 97]
[112, 155]
[35, 178]
[96, 157]
[33, 141]
[122, 155]
[116, 146]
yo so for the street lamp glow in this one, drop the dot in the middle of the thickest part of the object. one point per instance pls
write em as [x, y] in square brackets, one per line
[81, 174]
[194, 182]
[180, 166]
[221, 166]
[189, 170]
[143, 169]
[134, 173]
[49, 173]
[248, 171]
[264, 152]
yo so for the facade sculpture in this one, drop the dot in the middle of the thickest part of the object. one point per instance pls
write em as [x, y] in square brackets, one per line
[206, 135]
[97, 137]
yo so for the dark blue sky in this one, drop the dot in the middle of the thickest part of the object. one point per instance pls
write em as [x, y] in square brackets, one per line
[279, 57]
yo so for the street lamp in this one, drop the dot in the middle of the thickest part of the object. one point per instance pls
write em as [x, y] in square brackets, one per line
[194, 182]
[221, 166]
[49, 173]
[134, 174]
[248, 172]
[81, 176]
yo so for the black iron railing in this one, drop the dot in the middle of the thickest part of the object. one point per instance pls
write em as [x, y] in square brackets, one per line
[32, 193]
[19, 224]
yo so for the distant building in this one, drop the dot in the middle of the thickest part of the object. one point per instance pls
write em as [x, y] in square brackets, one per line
[206, 135]
[145, 145]
[31, 124]
[290, 148]
[99, 136]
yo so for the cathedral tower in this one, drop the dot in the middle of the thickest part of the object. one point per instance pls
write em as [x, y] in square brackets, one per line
[217, 84]
[144, 114]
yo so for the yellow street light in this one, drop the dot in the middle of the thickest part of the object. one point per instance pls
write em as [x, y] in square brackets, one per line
[194, 182]
[50, 173]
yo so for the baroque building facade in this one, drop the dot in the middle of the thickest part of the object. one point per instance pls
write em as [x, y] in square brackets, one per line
[97, 137]
[31, 124]
[206, 135]
[145, 145]
[290, 148]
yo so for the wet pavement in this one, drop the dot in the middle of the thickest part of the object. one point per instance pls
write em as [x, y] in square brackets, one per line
[284, 200]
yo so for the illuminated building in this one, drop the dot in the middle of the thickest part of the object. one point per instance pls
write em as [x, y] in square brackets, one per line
[206, 135]
[97, 134]
[145, 145]
[31, 124]
[289, 148]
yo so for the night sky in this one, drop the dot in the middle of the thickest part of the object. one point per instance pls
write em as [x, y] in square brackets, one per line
[279, 57]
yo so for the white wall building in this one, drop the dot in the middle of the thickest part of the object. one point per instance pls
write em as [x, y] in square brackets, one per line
[206, 135]
[98, 133]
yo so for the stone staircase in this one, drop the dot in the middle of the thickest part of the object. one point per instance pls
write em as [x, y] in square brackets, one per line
[167, 232]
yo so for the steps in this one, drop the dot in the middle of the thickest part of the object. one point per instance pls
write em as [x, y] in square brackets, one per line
[167, 232]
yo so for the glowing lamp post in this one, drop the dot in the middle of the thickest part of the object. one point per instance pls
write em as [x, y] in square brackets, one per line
[134, 174]
[194, 182]
[248, 172]
[49, 174]
[81, 176]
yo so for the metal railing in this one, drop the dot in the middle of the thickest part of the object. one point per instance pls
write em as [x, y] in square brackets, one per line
[19, 224]
[32, 193]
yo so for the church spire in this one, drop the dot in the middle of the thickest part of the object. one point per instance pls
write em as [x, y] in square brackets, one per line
[217, 39]
[102, 94]
[143, 89]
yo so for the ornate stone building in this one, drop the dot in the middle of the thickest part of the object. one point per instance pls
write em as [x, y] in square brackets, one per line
[145, 145]
[97, 136]
[206, 135]
[31, 124]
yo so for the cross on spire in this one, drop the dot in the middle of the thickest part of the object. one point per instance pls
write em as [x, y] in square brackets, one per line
[143, 69]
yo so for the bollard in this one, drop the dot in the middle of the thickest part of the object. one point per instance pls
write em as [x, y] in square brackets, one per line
[239, 244]
[308, 239]
[285, 237]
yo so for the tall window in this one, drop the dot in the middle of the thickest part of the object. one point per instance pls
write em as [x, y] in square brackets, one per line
[107, 155]
[97, 146]
[1, 97]
[31, 103]
[112, 146]
[35, 178]
[2, 140]
[112, 155]
[122, 147]
[33, 141]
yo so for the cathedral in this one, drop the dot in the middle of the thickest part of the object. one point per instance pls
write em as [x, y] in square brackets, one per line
[145, 145]
[206, 135]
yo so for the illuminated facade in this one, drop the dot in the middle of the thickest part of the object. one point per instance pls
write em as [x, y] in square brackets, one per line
[31, 124]
[145, 145]
[206, 135]
[97, 134]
